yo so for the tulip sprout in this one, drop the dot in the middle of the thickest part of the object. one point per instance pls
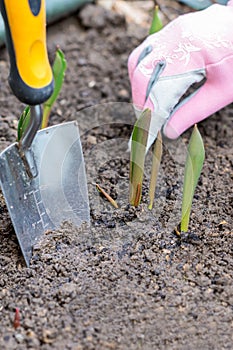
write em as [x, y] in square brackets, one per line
[193, 166]
[156, 160]
[156, 24]
[137, 156]
[139, 142]
[59, 68]
[194, 161]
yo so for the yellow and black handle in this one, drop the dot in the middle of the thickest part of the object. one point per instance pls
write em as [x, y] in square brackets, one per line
[31, 78]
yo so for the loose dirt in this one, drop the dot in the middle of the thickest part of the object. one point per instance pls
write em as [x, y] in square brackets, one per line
[127, 281]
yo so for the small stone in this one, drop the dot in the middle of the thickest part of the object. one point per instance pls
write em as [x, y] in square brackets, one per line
[89, 338]
[32, 339]
[199, 267]
[82, 61]
[91, 139]
[48, 336]
[59, 111]
[150, 255]
[19, 337]
[91, 84]
[63, 102]
[123, 94]
[186, 267]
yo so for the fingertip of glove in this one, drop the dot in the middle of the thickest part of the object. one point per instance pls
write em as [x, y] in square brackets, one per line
[170, 131]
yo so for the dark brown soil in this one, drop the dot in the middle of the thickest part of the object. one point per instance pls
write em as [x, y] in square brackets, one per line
[126, 282]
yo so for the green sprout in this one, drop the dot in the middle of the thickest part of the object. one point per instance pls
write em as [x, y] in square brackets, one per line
[23, 122]
[156, 24]
[58, 68]
[156, 160]
[193, 166]
[139, 142]
[137, 156]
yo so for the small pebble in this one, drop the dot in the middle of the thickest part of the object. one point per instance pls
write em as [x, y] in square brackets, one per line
[91, 139]
[19, 337]
[91, 84]
[123, 94]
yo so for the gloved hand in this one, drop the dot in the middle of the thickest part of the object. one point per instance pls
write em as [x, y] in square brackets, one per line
[196, 48]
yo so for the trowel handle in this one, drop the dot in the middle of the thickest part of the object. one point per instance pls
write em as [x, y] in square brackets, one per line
[30, 78]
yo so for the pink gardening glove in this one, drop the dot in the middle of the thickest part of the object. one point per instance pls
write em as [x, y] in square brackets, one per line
[194, 48]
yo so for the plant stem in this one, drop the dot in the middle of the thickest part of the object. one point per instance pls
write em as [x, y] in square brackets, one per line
[59, 68]
[137, 156]
[156, 160]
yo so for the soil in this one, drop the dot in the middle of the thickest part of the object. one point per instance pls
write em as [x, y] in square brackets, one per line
[127, 281]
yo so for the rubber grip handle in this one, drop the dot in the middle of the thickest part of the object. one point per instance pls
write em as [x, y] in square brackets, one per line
[31, 78]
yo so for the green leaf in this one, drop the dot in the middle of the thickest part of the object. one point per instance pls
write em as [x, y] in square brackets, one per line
[137, 156]
[157, 155]
[23, 122]
[59, 68]
[193, 166]
[156, 24]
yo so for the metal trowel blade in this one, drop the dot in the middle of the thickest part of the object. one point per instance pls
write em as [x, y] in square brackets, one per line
[56, 194]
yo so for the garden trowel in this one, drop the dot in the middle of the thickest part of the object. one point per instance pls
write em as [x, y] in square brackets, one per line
[43, 175]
